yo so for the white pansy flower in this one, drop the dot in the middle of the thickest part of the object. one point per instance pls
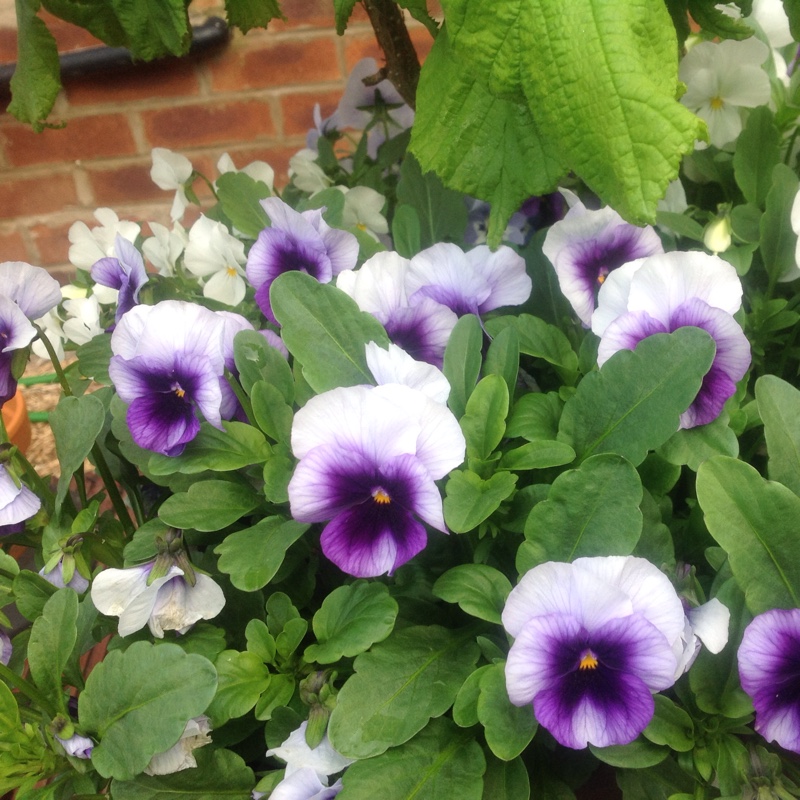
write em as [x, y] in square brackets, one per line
[165, 247]
[180, 756]
[794, 272]
[50, 324]
[83, 319]
[308, 176]
[396, 366]
[257, 170]
[304, 785]
[323, 759]
[721, 79]
[362, 210]
[168, 603]
[88, 246]
[707, 624]
[771, 17]
[172, 171]
[219, 258]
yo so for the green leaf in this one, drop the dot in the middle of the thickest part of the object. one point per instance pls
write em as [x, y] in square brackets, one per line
[465, 707]
[35, 83]
[397, 687]
[757, 152]
[419, 11]
[479, 590]
[343, 10]
[242, 678]
[253, 556]
[484, 423]
[606, 99]
[260, 641]
[792, 9]
[31, 592]
[239, 196]
[96, 16]
[288, 640]
[76, 422]
[351, 619]
[636, 755]
[778, 240]
[716, 22]
[271, 413]
[138, 702]
[442, 213]
[540, 339]
[257, 360]
[535, 416]
[237, 446]
[470, 499]
[506, 780]
[154, 28]
[208, 505]
[325, 330]
[473, 138]
[406, 232]
[441, 763]
[94, 358]
[508, 728]
[220, 774]
[462, 362]
[693, 446]
[779, 408]
[537, 455]
[53, 637]
[633, 404]
[680, 224]
[754, 521]
[279, 693]
[502, 358]
[670, 726]
[589, 511]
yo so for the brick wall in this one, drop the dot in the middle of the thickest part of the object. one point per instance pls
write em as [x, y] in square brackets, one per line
[252, 97]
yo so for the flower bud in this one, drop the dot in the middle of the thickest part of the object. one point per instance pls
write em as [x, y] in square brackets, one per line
[717, 236]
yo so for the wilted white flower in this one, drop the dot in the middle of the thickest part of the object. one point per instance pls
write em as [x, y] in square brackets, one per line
[180, 756]
[322, 759]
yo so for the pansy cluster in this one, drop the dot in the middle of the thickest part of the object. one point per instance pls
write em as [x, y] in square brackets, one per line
[387, 511]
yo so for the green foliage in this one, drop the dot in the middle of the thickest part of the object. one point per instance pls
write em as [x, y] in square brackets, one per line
[397, 687]
[441, 763]
[247, 14]
[242, 678]
[754, 521]
[483, 422]
[350, 620]
[479, 590]
[462, 362]
[779, 408]
[238, 196]
[208, 505]
[325, 330]
[634, 402]
[470, 499]
[138, 702]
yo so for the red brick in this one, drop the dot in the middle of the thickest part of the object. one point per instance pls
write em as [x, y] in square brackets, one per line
[52, 242]
[208, 123]
[8, 45]
[127, 183]
[298, 109]
[42, 195]
[82, 138]
[12, 246]
[276, 63]
[169, 78]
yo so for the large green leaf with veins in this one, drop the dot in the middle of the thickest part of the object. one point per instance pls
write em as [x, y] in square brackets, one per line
[599, 78]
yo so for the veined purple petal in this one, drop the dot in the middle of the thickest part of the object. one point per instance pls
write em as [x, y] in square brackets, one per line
[731, 360]
[369, 540]
[587, 245]
[17, 501]
[162, 422]
[590, 686]
[125, 273]
[625, 332]
[16, 330]
[769, 670]
[5, 648]
[33, 289]
[504, 269]
[422, 330]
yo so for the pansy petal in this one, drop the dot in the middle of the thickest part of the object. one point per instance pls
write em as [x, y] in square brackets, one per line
[163, 423]
[710, 623]
[625, 332]
[33, 289]
[365, 542]
[396, 366]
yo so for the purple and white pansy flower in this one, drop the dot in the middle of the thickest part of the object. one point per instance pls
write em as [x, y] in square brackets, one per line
[167, 365]
[6, 648]
[668, 291]
[396, 366]
[422, 328]
[296, 241]
[769, 671]
[471, 282]
[587, 245]
[167, 603]
[17, 503]
[594, 640]
[369, 459]
[126, 273]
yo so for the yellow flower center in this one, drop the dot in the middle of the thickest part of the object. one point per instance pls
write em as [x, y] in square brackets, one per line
[716, 103]
[231, 272]
[180, 392]
[588, 660]
[379, 496]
